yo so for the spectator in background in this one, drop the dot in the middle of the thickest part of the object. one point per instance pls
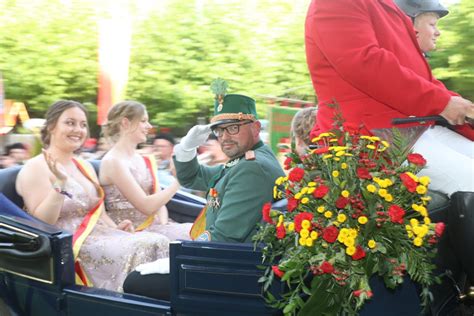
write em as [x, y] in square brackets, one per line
[18, 152]
[301, 126]
[163, 146]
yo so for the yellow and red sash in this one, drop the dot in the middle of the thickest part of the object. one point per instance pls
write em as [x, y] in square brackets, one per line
[87, 224]
[199, 225]
[152, 166]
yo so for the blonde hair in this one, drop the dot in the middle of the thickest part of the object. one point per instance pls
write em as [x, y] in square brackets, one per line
[52, 117]
[303, 123]
[131, 110]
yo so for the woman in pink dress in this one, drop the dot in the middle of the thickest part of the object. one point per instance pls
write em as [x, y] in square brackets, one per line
[63, 190]
[129, 179]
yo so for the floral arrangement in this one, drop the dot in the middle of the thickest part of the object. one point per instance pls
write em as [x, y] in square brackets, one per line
[356, 209]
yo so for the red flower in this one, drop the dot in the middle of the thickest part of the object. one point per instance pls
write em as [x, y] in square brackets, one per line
[278, 272]
[359, 254]
[342, 202]
[416, 159]
[326, 267]
[396, 214]
[363, 173]
[408, 182]
[266, 212]
[330, 234]
[296, 175]
[439, 229]
[320, 191]
[300, 218]
[287, 163]
[292, 204]
[358, 293]
[321, 150]
[281, 231]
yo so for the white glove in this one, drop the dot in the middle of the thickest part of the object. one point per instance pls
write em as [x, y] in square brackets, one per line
[196, 136]
[186, 149]
[160, 266]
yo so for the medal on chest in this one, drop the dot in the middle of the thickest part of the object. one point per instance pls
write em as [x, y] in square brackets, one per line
[213, 199]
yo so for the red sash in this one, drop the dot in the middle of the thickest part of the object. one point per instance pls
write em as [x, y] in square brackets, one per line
[87, 224]
[152, 166]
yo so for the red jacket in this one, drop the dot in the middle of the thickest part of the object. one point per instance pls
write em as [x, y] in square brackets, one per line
[364, 55]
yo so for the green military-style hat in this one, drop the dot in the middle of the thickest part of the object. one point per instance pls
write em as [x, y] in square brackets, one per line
[229, 108]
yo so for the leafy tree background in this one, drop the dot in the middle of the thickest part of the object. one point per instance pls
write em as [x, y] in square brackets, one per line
[48, 51]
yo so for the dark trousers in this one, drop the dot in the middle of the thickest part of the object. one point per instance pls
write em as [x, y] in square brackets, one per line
[152, 285]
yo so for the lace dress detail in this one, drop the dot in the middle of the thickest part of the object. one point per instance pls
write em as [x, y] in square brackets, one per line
[108, 254]
[119, 209]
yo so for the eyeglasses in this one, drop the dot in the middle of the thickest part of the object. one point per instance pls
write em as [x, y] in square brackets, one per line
[233, 129]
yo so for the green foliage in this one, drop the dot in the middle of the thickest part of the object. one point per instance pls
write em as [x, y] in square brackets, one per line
[453, 62]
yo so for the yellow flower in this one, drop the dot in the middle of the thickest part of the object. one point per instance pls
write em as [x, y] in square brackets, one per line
[345, 193]
[304, 200]
[423, 211]
[311, 184]
[411, 175]
[340, 153]
[352, 233]
[371, 188]
[280, 180]
[314, 235]
[298, 196]
[341, 218]
[344, 165]
[425, 180]
[336, 159]
[349, 241]
[427, 220]
[362, 220]
[383, 192]
[304, 233]
[350, 250]
[370, 146]
[385, 143]
[275, 192]
[418, 241]
[415, 207]
[311, 190]
[304, 190]
[291, 227]
[327, 156]
[302, 241]
[371, 244]
[374, 139]
[328, 214]
[280, 220]
[421, 189]
[305, 224]
[335, 173]
[414, 222]
[410, 234]
[316, 139]
[321, 209]
[388, 197]
[309, 242]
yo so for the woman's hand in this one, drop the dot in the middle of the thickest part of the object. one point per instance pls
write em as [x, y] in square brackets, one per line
[56, 167]
[126, 225]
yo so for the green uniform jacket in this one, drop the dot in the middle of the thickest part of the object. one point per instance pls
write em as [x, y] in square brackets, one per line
[241, 187]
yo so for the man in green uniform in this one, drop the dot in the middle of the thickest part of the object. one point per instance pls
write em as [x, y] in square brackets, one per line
[237, 190]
